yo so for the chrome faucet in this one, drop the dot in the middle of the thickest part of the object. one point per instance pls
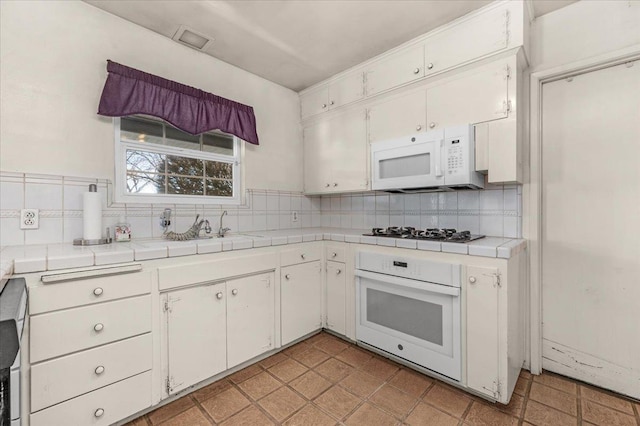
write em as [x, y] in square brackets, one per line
[221, 230]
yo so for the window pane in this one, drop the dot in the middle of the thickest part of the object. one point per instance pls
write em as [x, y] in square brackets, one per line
[184, 166]
[185, 185]
[219, 170]
[219, 188]
[145, 161]
[217, 143]
[140, 130]
[145, 183]
[180, 139]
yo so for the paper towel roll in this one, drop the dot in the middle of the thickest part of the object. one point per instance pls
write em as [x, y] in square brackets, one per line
[92, 216]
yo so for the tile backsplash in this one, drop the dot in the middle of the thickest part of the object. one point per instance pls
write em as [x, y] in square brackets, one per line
[496, 211]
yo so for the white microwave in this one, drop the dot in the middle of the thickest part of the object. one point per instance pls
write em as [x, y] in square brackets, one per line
[436, 160]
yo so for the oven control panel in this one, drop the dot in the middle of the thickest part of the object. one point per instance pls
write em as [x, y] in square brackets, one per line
[410, 267]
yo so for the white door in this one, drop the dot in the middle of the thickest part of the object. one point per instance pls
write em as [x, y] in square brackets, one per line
[250, 317]
[300, 300]
[336, 297]
[398, 117]
[470, 99]
[196, 335]
[591, 227]
[317, 158]
[397, 69]
[348, 151]
[314, 102]
[347, 89]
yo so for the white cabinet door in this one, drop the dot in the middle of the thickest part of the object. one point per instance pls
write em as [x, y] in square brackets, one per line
[300, 300]
[397, 69]
[347, 89]
[398, 117]
[336, 294]
[250, 317]
[472, 98]
[314, 102]
[479, 36]
[482, 330]
[196, 334]
[348, 152]
[317, 158]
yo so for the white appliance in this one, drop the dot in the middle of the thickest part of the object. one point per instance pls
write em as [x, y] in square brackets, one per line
[410, 308]
[436, 160]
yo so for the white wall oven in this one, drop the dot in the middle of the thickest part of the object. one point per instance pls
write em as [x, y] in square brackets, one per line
[410, 308]
[436, 160]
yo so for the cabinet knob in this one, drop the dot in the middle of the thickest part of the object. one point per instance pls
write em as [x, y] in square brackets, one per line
[334, 254]
[335, 184]
[416, 71]
[98, 327]
[324, 106]
[99, 369]
[234, 291]
[287, 276]
[327, 185]
[338, 271]
[98, 291]
[472, 280]
[430, 66]
[418, 127]
[432, 125]
[219, 295]
[99, 412]
[303, 256]
[331, 103]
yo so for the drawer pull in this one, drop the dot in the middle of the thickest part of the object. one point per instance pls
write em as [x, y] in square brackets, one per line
[99, 412]
[98, 291]
[98, 327]
[99, 370]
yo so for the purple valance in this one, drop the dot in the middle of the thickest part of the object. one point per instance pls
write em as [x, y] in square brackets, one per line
[129, 91]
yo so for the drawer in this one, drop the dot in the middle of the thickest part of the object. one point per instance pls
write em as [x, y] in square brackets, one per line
[335, 253]
[301, 253]
[67, 377]
[62, 332]
[104, 406]
[70, 294]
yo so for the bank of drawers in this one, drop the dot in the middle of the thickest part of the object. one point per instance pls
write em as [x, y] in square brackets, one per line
[90, 350]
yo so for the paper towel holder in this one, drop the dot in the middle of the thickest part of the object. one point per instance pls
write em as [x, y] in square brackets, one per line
[98, 241]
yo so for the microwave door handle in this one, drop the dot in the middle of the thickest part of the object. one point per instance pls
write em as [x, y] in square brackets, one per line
[439, 146]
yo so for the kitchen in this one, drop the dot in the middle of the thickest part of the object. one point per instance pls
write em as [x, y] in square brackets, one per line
[389, 230]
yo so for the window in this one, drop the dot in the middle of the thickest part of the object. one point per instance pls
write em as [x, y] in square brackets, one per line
[156, 163]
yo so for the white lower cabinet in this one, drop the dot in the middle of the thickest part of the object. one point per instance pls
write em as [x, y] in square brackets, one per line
[300, 300]
[250, 317]
[104, 406]
[336, 297]
[196, 334]
[214, 327]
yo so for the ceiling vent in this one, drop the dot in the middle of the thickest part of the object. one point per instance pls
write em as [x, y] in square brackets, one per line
[191, 38]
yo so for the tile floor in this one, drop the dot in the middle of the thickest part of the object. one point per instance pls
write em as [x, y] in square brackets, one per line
[326, 381]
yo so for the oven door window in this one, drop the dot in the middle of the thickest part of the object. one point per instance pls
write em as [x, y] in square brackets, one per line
[421, 317]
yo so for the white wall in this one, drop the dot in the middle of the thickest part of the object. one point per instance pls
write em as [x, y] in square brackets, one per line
[582, 30]
[53, 67]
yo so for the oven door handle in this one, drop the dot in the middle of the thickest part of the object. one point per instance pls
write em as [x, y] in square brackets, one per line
[405, 282]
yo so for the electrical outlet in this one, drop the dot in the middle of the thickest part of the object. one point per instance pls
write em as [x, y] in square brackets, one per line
[294, 216]
[29, 219]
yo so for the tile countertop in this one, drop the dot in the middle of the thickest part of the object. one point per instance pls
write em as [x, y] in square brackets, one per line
[36, 258]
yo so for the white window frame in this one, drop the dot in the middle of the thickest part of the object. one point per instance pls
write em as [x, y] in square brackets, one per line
[120, 186]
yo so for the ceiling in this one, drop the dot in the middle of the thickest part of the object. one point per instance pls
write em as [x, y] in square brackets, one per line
[297, 43]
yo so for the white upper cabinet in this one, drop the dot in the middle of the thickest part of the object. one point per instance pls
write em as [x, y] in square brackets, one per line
[342, 91]
[398, 117]
[471, 39]
[400, 68]
[474, 97]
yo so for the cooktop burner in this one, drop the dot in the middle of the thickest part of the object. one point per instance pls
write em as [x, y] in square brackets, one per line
[432, 234]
